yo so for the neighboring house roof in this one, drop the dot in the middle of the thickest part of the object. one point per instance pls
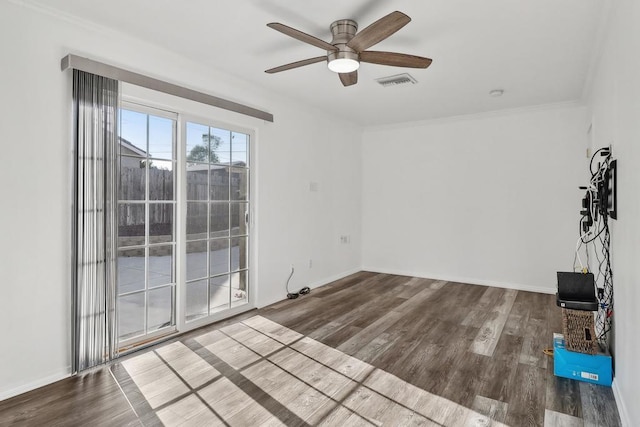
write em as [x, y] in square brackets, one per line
[129, 146]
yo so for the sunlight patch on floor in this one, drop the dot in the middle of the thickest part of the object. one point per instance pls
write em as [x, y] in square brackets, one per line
[273, 374]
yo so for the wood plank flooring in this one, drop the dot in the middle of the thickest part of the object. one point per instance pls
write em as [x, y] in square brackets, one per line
[369, 349]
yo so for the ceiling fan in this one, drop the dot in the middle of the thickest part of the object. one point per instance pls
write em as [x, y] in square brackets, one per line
[349, 47]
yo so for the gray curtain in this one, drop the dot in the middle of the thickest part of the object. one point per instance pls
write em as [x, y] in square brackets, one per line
[95, 110]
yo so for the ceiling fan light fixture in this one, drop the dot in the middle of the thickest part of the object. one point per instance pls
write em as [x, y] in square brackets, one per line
[343, 61]
[343, 65]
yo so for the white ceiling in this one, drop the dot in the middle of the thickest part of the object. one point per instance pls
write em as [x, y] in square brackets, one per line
[538, 51]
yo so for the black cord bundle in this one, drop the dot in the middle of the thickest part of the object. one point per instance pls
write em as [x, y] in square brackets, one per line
[605, 292]
[601, 239]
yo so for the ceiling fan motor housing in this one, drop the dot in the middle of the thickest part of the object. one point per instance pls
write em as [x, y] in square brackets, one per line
[343, 31]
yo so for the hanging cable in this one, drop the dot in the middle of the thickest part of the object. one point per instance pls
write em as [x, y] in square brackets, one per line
[289, 294]
[294, 295]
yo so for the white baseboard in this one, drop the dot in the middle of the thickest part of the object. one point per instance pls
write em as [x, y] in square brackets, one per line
[622, 408]
[333, 278]
[316, 284]
[49, 379]
[471, 281]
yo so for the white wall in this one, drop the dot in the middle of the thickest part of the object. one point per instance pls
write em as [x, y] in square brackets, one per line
[490, 199]
[614, 108]
[292, 224]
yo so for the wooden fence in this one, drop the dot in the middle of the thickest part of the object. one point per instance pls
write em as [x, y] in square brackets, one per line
[224, 184]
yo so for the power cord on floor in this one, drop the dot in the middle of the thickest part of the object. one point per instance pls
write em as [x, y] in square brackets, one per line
[294, 295]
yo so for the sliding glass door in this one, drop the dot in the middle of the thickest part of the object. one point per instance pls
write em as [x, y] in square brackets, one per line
[183, 215]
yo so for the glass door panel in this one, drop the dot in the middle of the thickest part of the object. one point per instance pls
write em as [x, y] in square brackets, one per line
[217, 197]
[146, 226]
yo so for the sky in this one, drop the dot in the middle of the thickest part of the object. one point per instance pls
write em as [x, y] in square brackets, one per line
[140, 128]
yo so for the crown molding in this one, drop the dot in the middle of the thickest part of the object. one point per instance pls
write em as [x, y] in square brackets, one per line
[479, 116]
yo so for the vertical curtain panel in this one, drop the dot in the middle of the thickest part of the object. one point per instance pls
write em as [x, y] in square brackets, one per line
[95, 110]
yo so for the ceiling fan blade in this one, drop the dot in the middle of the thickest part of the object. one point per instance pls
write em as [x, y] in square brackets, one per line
[303, 37]
[296, 64]
[394, 59]
[349, 79]
[378, 31]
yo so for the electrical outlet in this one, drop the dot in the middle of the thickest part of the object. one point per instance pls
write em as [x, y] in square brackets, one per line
[310, 263]
[345, 239]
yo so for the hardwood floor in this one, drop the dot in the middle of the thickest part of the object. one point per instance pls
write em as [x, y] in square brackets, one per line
[369, 349]
[90, 399]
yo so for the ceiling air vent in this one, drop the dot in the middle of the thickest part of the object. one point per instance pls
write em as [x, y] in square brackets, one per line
[400, 79]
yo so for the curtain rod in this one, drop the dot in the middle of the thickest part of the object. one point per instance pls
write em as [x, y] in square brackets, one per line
[105, 70]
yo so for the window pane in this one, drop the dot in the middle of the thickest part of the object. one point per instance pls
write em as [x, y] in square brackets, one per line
[219, 187]
[132, 185]
[219, 293]
[239, 145]
[197, 216]
[131, 224]
[239, 253]
[131, 315]
[238, 288]
[197, 143]
[197, 181]
[160, 180]
[239, 219]
[160, 308]
[196, 299]
[219, 220]
[239, 183]
[130, 270]
[218, 256]
[197, 260]
[160, 265]
[220, 146]
[133, 133]
[160, 222]
[161, 138]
